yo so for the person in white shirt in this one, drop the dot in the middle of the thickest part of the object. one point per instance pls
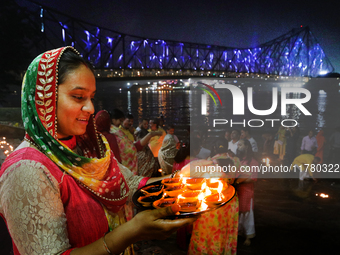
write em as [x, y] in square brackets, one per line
[246, 134]
[235, 137]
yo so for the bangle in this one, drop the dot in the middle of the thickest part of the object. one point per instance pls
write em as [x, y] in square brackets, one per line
[105, 245]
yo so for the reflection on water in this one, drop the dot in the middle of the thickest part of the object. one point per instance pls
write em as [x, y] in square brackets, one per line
[173, 105]
[178, 105]
[321, 103]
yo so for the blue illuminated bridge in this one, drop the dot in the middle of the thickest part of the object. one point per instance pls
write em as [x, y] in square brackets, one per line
[114, 54]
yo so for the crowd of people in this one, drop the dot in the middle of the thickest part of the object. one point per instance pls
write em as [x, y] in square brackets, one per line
[289, 147]
[165, 154]
[67, 188]
[64, 189]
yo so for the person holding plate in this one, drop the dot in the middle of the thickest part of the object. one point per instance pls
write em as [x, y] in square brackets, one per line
[62, 191]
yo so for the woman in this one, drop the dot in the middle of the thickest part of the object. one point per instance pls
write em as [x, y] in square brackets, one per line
[245, 191]
[320, 138]
[103, 123]
[183, 156]
[281, 143]
[127, 148]
[292, 135]
[61, 190]
[147, 164]
[215, 232]
[167, 152]
[120, 145]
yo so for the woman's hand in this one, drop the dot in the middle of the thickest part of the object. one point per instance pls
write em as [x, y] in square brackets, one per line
[151, 224]
[156, 133]
[145, 140]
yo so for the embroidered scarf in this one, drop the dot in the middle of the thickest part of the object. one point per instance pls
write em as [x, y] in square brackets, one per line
[97, 170]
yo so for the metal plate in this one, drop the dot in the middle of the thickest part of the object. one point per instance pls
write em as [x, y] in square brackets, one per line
[138, 193]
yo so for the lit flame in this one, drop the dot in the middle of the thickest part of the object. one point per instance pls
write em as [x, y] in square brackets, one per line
[201, 196]
[203, 206]
[205, 191]
[266, 161]
[204, 185]
[180, 178]
[6, 147]
[220, 187]
[324, 195]
[178, 198]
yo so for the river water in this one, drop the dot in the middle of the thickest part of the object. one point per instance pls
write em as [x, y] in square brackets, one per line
[183, 107]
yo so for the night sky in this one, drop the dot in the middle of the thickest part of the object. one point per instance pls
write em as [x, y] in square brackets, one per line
[226, 23]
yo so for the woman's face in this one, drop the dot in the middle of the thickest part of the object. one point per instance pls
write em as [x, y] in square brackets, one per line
[171, 131]
[241, 146]
[74, 105]
[145, 124]
[117, 122]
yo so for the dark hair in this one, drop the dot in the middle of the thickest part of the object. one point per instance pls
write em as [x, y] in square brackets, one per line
[155, 121]
[117, 114]
[246, 129]
[129, 116]
[170, 127]
[237, 131]
[70, 61]
[249, 152]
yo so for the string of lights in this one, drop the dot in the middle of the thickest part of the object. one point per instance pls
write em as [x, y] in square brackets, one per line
[296, 53]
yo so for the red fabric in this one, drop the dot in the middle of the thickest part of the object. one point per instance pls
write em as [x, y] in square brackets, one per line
[112, 140]
[245, 191]
[103, 124]
[178, 166]
[48, 60]
[182, 236]
[71, 142]
[86, 220]
[138, 146]
[143, 182]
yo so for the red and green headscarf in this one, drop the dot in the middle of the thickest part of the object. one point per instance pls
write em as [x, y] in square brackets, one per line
[97, 170]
